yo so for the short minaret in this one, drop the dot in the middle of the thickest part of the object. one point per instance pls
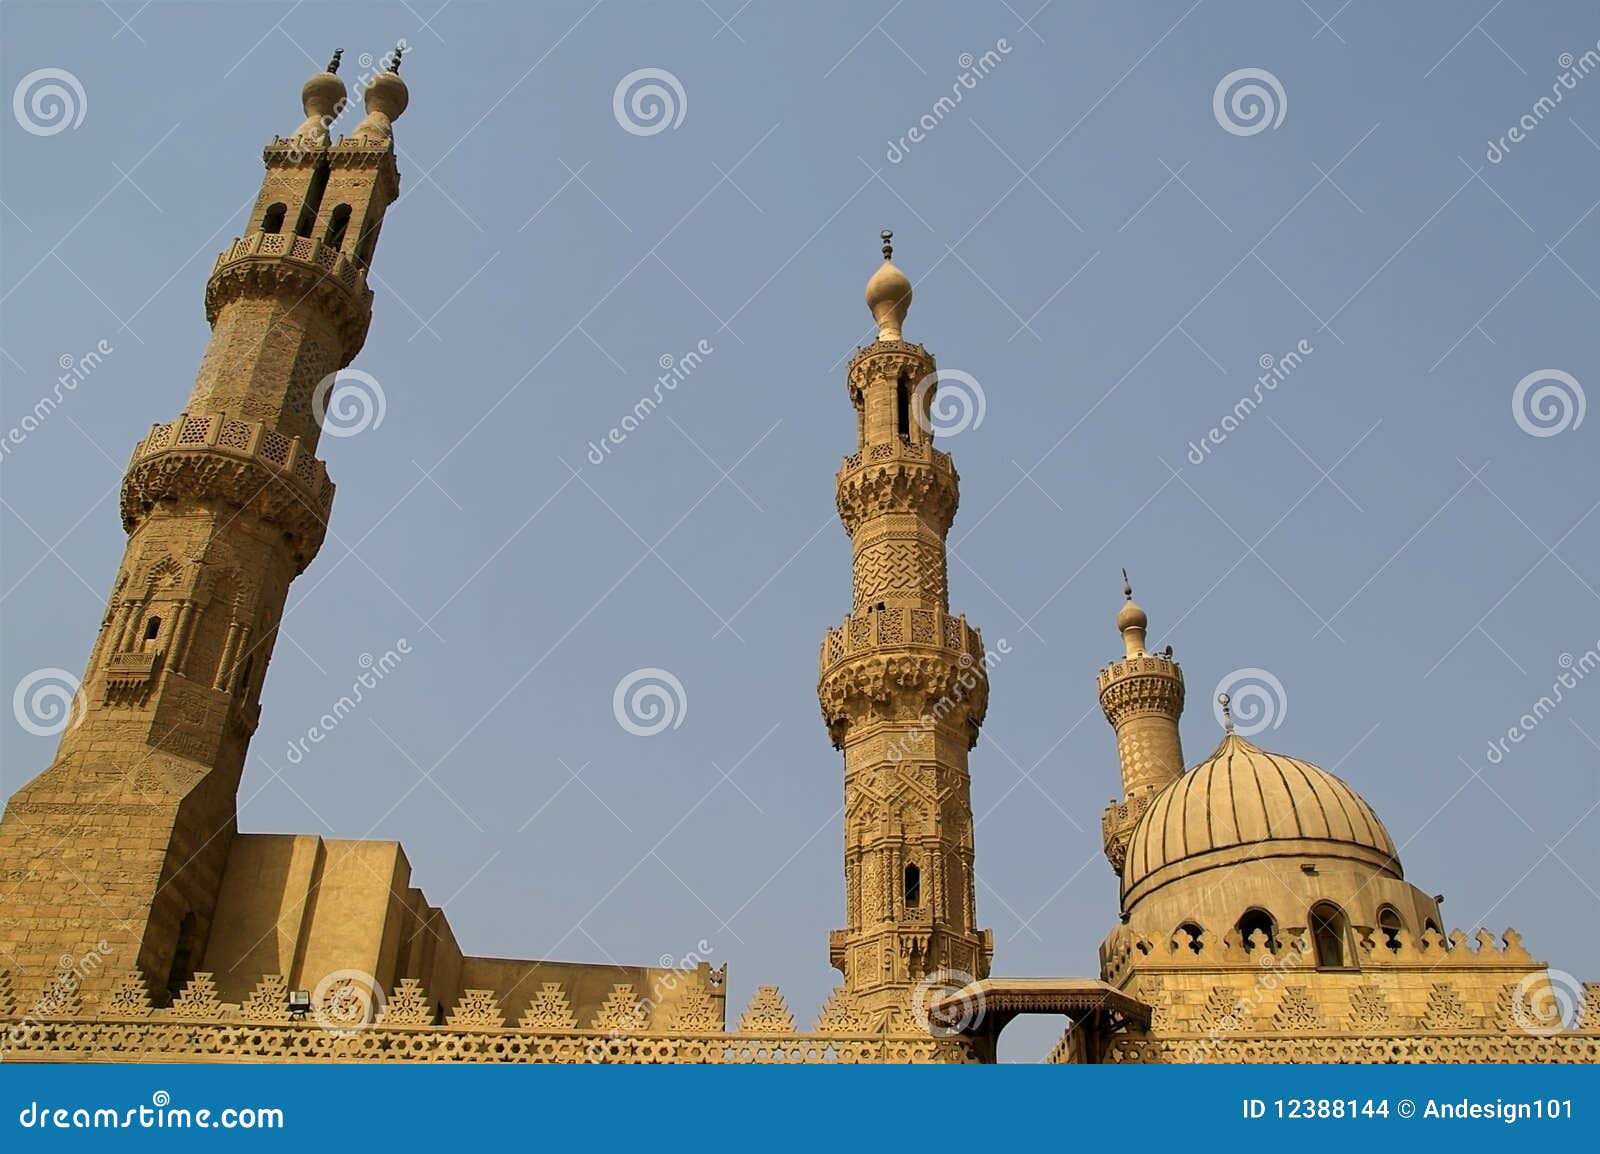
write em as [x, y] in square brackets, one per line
[1142, 696]
[117, 849]
[903, 685]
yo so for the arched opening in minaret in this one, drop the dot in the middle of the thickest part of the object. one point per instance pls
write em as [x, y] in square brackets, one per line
[313, 201]
[338, 225]
[184, 955]
[272, 219]
[902, 409]
[1194, 931]
[152, 629]
[1390, 924]
[1329, 930]
[913, 886]
[1258, 920]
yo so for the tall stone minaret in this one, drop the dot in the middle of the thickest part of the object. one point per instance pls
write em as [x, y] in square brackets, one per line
[904, 685]
[1142, 697]
[117, 849]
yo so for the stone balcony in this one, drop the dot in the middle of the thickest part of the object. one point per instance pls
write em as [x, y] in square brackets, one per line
[302, 268]
[303, 250]
[252, 441]
[901, 628]
[895, 451]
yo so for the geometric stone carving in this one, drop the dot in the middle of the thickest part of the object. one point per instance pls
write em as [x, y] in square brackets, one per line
[1445, 1009]
[130, 998]
[477, 1008]
[407, 1006]
[843, 1014]
[8, 999]
[623, 1012]
[549, 1010]
[696, 1012]
[1369, 1009]
[767, 1014]
[268, 1002]
[1297, 1013]
[1222, 1013]
[198, 999]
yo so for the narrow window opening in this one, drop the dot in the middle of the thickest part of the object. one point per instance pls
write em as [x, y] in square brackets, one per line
[313, 201]
[902, 409]
[913, 886]
[1389, 922]
[184, 955]
[152, 629]
[1194, 932]
[338, 224]
[272, 219]
[1257, 921]
[1328, 936]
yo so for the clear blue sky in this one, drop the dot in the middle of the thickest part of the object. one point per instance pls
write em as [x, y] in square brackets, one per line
[1414, 601]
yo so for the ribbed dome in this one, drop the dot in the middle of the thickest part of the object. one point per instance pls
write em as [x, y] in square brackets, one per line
[1241, 796]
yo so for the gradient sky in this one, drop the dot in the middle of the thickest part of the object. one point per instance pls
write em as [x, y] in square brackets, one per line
[1088, 243]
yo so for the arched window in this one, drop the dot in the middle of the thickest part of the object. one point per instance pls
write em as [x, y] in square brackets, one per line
[1328, 934]
[1389, 923]
[913, 886]
[1258, 920]
[902, 409]
[185, 955]
[312, 204]
[152, 628]
[1194, 932]
[272, 219]
[338, 223]
[1430, 924]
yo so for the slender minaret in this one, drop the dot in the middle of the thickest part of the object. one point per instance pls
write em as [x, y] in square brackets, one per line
[117, 849]
[1142, 696]
[904, 686]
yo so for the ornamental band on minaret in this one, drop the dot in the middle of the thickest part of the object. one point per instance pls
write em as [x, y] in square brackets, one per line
[903, 685]
[124, 838]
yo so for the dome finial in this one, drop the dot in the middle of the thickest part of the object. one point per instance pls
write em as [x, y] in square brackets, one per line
[889, 293]
[1227, 712]
[399, 52]
[1131, 622]
[333, 65]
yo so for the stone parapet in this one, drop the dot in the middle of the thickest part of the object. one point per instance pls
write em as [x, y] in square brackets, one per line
[275, 264]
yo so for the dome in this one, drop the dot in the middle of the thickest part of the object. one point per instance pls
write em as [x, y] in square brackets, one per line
[1243, 804]
[889, 294]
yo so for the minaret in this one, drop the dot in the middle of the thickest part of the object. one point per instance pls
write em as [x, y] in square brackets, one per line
[123, 839]
[903, 686]
[1142, 696]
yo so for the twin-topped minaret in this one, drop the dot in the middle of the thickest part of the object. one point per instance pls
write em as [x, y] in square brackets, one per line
[123, 839]
[903, 685]
[1142, 697]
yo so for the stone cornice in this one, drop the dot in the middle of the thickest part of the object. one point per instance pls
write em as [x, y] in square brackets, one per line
[898, 478]
[300, 269]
